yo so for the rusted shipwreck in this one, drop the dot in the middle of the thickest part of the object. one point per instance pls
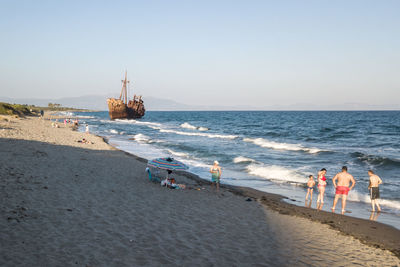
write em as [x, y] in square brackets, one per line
[121, 108]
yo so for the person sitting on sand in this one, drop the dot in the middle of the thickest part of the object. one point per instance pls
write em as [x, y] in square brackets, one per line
[373, 187]
[85, 141]
[342, 187]
[171, 182]
[321, 187]
[310, 187]
[216, 172]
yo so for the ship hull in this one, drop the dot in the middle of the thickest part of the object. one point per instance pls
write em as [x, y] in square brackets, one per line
[117, 109]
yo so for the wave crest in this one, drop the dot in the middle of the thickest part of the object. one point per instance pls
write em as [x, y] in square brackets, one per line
[276, 173]
[356, 196]
[376, 160]
[241, 159]
[187, 125]
[141, 138]
[179, 154]
[280, 146]
[222, 136]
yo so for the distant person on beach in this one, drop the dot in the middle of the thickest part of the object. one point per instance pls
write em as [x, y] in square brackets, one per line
[373, 187]
[310, 187]
[321, 187]
[87, 128]
[216, 172]
[342, 187]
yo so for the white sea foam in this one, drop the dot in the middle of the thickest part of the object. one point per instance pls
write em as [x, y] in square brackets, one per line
[240, 159]
[118, 121]
[179, 154]
[356, 196]
[64, 114]
[196, 134]
[276, 173]
[84, 117]
[141, 138]
[280, 146]
[196, 163]
[188, 126]
[191, 127]
[113, 131]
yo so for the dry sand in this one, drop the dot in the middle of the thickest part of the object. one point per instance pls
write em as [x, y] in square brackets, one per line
[65, 203]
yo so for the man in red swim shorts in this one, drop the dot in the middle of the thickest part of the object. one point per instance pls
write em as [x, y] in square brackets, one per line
[342, 187]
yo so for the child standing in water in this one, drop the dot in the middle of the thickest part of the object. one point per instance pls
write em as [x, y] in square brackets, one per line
[310, 187]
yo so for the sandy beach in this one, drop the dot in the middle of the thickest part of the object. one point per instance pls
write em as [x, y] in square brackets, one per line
[65, 203]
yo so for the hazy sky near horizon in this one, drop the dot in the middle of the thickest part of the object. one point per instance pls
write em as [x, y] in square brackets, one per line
[204, 52]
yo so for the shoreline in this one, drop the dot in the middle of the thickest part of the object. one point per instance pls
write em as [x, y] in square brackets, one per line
[369, 232]
[70, 202]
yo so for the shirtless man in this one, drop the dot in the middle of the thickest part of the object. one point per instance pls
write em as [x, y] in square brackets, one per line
[374, 182]
[342, 187]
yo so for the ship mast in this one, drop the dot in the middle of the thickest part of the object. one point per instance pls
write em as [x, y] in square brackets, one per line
[124, 90]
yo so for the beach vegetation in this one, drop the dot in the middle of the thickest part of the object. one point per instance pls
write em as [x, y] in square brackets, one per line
[22, 110]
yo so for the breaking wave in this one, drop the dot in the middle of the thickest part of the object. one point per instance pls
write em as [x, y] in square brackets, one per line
[137, 122]
[222, 136]
[113, 131]
[376, 160]
[141, 138]
[241, 159]
[356, 196]
[179, 154]
[84, 117]
[281, 146]
[276, 173]
[191, 127]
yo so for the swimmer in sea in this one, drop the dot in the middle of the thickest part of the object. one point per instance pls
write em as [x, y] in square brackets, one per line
[373, 187]
[321, 188]
[342, 187]
[310, 187]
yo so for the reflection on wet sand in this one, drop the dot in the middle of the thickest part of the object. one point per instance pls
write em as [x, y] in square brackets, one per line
[374, 215]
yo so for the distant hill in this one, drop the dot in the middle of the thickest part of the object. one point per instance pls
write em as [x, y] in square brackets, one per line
[99, 102]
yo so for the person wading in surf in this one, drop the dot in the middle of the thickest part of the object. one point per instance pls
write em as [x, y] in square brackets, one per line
[321, 188]
[373, 187]
[342, 187]
[216, 172]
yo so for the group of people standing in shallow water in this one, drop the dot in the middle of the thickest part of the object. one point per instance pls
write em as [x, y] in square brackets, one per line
[341, 181]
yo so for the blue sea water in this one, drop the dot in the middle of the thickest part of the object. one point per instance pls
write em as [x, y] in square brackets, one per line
[273, 151]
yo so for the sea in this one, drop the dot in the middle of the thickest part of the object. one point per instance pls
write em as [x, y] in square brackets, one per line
[272, 151]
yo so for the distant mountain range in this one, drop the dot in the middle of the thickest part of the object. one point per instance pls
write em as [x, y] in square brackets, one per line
[98, 102]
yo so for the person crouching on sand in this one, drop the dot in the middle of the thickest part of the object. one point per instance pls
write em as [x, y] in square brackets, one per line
[310, 187]
[342, 187]
[216, 172]
[373, 187]
[321, 188]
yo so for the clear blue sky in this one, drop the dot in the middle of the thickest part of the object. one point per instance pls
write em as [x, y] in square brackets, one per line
[204, 52]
